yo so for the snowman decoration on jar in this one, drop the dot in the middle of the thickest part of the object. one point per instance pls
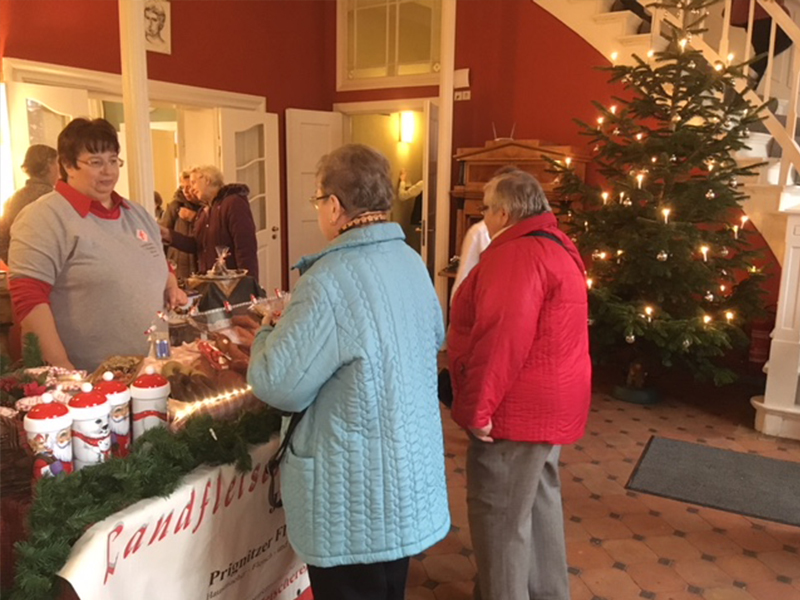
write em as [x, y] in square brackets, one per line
[119, 399]
[91, 438]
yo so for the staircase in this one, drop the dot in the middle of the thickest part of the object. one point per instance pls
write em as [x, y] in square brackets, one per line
[615, 35]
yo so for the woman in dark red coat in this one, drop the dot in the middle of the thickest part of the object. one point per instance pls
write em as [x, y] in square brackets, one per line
[519, 357]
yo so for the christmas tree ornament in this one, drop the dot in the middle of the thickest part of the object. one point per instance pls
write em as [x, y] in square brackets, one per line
[91, 437]
[724, 252]
[627, 202]
[616, 131]
[48, 430]
[662, 256]
[149, 394]
[119, 399]
[687, 343]
[710, 195]
[630, 338]
[709, 297]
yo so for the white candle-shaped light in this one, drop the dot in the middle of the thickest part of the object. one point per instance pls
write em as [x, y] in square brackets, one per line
[614, 56]
[736, 232]
[706, 319]
[603, 255]
[651, 53]
[613, 109]
[600, 120]
[682, 43]
[722, 287]
[704, 251]
[568, 161]
[745, 219]
[589, 282]
[654, 159]
[665, 212]
[648, 310]
[729, 316]
[710, 165]
[639, 136]
[621, 197]
[639, 180]
[604, 196]
[718, 66]
[730, 58]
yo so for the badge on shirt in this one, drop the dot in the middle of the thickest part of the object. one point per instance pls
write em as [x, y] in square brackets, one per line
[142, 235]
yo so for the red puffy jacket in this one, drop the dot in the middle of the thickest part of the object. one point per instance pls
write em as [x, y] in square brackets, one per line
[518, 343]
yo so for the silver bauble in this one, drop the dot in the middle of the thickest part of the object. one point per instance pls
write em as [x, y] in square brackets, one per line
[630, 338]
[662, 256]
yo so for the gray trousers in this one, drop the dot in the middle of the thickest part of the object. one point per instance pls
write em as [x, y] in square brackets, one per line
[516, 521]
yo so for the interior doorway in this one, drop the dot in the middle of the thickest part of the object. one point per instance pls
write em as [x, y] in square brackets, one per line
[399, 136]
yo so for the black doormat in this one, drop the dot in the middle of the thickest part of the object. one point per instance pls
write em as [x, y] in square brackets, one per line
[747, 484]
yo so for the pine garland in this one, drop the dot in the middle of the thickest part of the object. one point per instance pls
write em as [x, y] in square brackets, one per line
[65, 507]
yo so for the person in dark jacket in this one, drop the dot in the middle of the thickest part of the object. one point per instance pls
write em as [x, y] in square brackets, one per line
[180, 216]
[225, 221]
[41, 167]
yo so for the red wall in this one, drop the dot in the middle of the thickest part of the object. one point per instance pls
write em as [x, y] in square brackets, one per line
[270, 49]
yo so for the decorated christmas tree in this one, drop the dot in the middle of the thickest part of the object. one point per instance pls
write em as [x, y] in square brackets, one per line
[671, 277]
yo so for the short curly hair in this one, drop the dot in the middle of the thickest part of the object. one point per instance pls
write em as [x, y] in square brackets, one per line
[38, 159]
[359, 176]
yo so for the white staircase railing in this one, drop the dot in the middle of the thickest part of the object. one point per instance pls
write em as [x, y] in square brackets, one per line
[783, 134]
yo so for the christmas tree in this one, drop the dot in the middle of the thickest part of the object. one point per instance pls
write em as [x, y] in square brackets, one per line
[671, 277]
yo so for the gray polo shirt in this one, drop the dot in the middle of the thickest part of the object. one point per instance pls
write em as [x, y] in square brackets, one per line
[108, 276]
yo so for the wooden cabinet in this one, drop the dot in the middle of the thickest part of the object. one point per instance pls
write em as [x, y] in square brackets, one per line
[478, 165]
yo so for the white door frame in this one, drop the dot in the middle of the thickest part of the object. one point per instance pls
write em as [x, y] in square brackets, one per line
[98, 83]
[442, 200]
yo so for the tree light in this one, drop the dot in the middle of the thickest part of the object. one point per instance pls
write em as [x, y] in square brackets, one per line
[614, 56]
[736, 232]
[745, 219]
[604, 196]
[682, 43]
[589, 282]
[639, 179]
[639, 136]
[665, 212]
[729, 316]
[722, 287]
[704, 251]
[613, 109]
[730, 58]
[568, 161]
[600, 120]
[706, 319]
[651, 53]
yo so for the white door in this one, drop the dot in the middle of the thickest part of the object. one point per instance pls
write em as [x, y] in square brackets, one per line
[430, 173]
[197, 128]
[248, 143]
[37, 114]
[310, 134]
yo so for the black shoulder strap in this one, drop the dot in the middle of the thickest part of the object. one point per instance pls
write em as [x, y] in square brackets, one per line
[274, 462]
[555, 238]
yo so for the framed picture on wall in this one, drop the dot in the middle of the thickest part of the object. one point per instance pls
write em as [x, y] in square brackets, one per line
[157, 26]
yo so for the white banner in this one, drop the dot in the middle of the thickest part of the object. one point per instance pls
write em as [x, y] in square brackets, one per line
[213, 538]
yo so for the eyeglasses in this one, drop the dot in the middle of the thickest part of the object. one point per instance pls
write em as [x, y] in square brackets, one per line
[99, 163]
[315, 200]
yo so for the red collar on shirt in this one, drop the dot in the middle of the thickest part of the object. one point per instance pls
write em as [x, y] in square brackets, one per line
[84, 205]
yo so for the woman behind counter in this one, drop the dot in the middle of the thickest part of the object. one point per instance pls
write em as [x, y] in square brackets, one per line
[88, 273]
[363, 479]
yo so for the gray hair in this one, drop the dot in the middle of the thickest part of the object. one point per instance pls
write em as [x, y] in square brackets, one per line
[359, 176]
[518, 193]
[212, 174]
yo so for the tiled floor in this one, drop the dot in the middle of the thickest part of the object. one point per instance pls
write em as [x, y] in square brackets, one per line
[624, 545]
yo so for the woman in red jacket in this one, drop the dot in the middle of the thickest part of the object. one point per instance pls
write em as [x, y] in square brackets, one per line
[519, 357]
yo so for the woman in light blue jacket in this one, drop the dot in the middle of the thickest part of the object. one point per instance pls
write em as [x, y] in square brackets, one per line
[363, 478]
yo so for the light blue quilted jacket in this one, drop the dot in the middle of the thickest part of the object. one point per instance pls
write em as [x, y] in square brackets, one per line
[363, 480]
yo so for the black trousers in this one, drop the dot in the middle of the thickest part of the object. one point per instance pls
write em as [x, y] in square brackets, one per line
[375, 581]
[761, 29]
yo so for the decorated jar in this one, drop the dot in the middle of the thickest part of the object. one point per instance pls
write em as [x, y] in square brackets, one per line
[91, 437]
[48, 429]
[119, 399]
[149, 392]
